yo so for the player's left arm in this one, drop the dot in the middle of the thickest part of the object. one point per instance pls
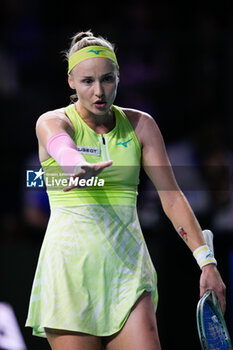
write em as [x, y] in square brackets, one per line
[175, 205]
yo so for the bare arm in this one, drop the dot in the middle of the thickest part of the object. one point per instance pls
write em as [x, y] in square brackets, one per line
[49, 124]
[64, 150]
[157, 166]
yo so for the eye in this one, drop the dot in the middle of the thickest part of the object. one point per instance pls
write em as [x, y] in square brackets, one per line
[109, 78]
[87, 81]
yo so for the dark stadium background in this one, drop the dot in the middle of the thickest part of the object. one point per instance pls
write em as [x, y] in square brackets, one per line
[176, 63]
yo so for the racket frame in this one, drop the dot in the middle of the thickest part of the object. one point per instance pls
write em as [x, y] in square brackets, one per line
[210, 298]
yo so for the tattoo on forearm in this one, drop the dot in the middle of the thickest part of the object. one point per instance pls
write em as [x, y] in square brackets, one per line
[182, 233]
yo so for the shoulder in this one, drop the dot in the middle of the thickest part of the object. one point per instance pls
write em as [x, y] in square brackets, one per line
[56, 115]
[135, 114]
[53, 122]
[53, 114]
[143, 123]
[137, 117]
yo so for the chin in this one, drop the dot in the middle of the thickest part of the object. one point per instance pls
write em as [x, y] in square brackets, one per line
[101, 111]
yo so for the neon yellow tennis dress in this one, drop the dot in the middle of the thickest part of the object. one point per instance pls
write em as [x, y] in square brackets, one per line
[94, 263]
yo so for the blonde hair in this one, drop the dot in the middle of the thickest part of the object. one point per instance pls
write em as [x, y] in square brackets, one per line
[84, 39]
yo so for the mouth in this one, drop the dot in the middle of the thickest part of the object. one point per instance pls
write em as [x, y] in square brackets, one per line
[100, 104]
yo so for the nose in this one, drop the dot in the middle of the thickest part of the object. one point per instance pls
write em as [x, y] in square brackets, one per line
[99, 91]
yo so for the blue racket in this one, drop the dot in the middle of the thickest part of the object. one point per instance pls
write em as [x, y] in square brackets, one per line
[211, 325]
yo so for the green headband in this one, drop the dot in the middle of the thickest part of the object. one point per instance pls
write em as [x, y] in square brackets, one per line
[91, 52]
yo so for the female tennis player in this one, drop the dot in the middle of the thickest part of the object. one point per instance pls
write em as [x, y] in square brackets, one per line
[95, 284]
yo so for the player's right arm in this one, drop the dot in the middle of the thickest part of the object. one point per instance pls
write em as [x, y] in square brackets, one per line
[49, 124]
[54, 132]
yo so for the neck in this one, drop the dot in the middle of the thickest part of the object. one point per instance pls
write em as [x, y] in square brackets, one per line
[101, 124]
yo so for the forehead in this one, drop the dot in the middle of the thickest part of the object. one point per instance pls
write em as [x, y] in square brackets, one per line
[94, 66]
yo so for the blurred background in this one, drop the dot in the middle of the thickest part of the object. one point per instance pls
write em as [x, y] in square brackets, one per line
[176, 63]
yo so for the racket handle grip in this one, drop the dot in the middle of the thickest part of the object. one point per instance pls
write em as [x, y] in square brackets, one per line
[208, 236]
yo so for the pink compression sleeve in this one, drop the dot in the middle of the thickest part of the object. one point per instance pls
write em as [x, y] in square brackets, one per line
[63, 149]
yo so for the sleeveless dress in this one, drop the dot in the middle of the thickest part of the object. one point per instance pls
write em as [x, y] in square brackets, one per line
[93, 264]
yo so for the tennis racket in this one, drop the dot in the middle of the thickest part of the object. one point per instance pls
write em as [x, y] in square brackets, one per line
[211, 325]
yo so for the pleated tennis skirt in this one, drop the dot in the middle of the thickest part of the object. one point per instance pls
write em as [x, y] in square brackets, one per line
[93, 266]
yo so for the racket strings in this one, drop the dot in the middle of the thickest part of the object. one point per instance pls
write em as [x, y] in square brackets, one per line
[214, 331]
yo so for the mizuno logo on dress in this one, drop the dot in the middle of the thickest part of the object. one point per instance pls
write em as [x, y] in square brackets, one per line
[97, 52]
[125, 144]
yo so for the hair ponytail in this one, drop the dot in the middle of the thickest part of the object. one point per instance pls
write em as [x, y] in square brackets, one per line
[81, 35]
[84, 39]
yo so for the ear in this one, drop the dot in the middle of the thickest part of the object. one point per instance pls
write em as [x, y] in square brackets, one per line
[70, 82]
[118, 77]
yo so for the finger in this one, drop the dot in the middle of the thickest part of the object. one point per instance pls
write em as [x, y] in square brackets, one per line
[100, 166]
[222, 298]
[80, 172]
[67, 189]
[107, 163]
[97, 166]
[71, 187]
[89, 170]
[222, 305]
[222, 302]
[202, 292]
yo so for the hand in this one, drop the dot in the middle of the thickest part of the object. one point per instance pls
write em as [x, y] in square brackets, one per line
[86, 171]
[211, 279]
